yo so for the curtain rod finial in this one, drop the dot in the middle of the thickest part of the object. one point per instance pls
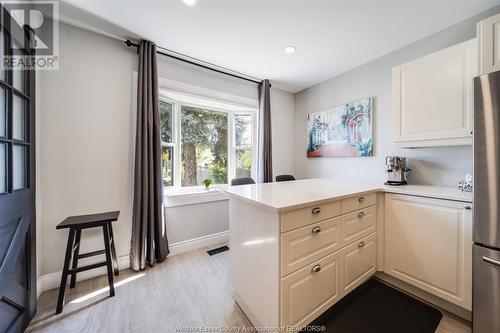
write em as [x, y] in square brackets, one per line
[129, 43]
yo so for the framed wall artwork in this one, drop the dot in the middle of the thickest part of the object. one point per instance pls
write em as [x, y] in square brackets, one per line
[341, 131]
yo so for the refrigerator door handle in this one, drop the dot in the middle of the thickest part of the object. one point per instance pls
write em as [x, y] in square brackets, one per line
[491, 261]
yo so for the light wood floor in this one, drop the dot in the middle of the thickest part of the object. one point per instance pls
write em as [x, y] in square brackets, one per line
[190, 289]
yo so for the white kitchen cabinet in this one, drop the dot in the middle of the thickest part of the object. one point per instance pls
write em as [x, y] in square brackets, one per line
[433, 98]
[310, 291]
[358, 224]
[488, 32]
[359, 262]
[428, 243]
[305, 245]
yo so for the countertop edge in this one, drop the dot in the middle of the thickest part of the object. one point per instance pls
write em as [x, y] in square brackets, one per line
[256, 203]
[302, 205]
[427, 195]
[340, 197]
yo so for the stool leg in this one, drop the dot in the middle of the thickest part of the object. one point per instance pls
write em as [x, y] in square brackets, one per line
[64, 277]
[113, 249]
[76, 252]
[108, 260]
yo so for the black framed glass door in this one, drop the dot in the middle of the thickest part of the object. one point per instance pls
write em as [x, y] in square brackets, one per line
[17, 184]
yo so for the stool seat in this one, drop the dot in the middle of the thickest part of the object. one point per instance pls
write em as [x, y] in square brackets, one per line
[88, 221]
[76, 224]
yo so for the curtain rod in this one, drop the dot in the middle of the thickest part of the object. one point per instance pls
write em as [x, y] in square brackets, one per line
[129, 43]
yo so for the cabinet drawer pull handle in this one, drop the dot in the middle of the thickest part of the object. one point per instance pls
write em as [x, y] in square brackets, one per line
[361, 244]
[361, 199]
[468, 207]
[315, 269]
[361, 214]
[316, 211]
[316, 230]
[491, 261]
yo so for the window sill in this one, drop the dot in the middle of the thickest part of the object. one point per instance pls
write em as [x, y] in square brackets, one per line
[192, 196]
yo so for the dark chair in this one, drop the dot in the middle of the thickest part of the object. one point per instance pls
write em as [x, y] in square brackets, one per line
[242, 181]
[284, 178]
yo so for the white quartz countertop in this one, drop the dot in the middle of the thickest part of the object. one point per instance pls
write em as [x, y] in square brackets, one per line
[284, 196]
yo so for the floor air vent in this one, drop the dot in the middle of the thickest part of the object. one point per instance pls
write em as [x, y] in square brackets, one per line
[218, 250]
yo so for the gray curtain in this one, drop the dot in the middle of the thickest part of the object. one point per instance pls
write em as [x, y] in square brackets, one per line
[265, 165]
[149, 239]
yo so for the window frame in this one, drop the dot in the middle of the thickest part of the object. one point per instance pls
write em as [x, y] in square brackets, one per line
[173, 140]
[8, 139]
[176, 143]
[252, 146]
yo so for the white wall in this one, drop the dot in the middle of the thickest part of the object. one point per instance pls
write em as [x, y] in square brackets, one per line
[87, 132]
[86, 143]
[434, 166]
[185, 73]
[188, 222]
[283, 132]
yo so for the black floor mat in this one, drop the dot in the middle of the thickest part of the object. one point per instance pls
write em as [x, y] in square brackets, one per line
[377, 308]
[218, 250]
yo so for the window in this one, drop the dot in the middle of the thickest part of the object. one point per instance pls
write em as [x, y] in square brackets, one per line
[205, 139]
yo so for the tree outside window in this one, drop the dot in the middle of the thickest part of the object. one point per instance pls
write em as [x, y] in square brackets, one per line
[198, 143]
[204, 146]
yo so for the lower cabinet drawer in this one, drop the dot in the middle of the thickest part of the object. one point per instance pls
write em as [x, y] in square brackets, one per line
[306, 245]
[301, 217]
[358, 263]
[358, 224]
[358, 202]
[311, 290]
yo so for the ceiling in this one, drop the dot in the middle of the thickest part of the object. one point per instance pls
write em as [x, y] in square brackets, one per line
[249, 36]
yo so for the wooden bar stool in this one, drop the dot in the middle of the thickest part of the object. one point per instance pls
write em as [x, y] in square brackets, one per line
[75, 225]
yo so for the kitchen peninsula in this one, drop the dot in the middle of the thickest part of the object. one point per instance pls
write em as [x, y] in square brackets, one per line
[298, 247]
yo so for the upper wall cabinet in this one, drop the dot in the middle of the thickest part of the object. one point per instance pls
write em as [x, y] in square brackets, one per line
[432, 98]
[488, 31]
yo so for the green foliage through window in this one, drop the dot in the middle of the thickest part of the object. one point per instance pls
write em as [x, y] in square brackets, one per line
[166, 112]
[204, 146]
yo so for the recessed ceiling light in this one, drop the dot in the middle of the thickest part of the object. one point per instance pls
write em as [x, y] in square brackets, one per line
[189, 2]
[290, 49]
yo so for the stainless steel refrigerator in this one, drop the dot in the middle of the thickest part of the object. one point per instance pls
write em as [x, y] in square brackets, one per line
[486, 248]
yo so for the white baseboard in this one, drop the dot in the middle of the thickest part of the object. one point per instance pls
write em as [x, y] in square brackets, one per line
[52, 280]
[198, 243]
